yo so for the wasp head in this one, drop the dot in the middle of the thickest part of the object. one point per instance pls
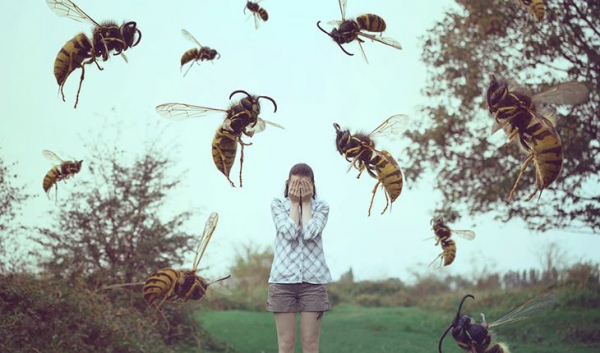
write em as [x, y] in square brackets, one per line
[252, 6]
[128, 32]
[213, 53]
[338, 36]
[251, 102]
[459, 325]
[437, 222]
[496, 91]
[342, 138]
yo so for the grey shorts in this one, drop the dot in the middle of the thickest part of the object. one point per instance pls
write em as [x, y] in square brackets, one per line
[297, 297]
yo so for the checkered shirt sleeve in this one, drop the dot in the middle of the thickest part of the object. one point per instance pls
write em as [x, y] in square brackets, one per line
[298, 250]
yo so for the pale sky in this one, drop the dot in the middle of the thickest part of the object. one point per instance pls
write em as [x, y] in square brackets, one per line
[314, 84]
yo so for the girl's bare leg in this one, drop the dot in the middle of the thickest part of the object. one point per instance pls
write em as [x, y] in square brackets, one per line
[310, 325]
[286, 331]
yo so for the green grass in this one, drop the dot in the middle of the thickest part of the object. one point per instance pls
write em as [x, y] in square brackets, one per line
[350, 329]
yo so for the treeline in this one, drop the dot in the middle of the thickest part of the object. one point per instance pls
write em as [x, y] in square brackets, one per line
[249, 292]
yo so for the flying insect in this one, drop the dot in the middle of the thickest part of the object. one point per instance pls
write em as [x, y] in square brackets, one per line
[526, 120]
[81, 50]
[359, 149]
[476, 337]
[257, 12]
[442, 233]
[537, 8]
[349, 30]
[63, 170]
[241, 118]
[196, 54]
[180, 285]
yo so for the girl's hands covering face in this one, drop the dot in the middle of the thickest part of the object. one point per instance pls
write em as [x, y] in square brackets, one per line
[294, 190]
[306, 190]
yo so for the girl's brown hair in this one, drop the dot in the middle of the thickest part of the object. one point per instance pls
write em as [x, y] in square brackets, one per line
[304, 170]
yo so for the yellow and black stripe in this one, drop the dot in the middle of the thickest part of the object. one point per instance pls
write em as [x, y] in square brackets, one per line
[537, 8]
[546, 152]
[370, 23]
[389, 175]
[224, 150]
[448, 251]
[160, 286]
[71, 57]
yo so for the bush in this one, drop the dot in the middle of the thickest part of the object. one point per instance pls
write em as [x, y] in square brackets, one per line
[49, 315]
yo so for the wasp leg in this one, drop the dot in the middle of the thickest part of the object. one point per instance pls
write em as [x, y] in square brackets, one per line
[373, 197]
[441, 257]
[242, 144]
[82, 77]
[523, 167]
[539, 183]
[387, 203]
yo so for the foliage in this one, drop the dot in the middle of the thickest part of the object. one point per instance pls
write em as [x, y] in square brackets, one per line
[475, 173]
[388, 292]
[112, 229]
[48, 315]
[12, 196]
[52, 315]
[248, 287]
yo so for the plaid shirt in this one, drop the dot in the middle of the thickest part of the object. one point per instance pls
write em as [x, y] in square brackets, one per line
[299, 255]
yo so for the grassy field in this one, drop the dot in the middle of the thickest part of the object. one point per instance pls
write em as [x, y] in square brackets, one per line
[350, 329]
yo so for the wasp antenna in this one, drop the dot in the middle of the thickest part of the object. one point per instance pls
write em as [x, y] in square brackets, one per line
[442, 338]
[322, 30]
[218, 280]
[137, 30]
[271, 99]
[337, 127]
[239, 91]
[344, 50]
[461, 304]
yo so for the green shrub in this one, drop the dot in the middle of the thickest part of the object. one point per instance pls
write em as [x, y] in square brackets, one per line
[49, 315]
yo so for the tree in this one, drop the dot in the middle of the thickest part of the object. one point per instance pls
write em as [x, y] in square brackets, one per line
[474, 172]
[12, 196]
[113, 227]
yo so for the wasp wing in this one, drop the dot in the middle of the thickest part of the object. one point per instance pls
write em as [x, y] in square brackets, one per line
[546, 122]
[209, 229]
[187, 35]
[362, 51]
[342, 4]
[261, 125]
[572, 93]
[394, 125]
[466, 234]
[182, 111]
[534, 306]
[256, 21]
[67, 8]
[52, 156]
[384, 40]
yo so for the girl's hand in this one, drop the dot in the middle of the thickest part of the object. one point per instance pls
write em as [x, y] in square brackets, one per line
[306, 190]
[294, 191]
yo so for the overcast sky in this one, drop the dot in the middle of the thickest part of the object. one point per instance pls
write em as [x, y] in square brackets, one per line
[314, 84]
